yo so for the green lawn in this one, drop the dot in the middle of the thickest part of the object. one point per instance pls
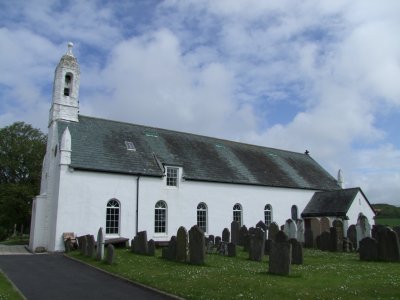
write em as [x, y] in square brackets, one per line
[323, 276]
[392, 222]
[7, 291]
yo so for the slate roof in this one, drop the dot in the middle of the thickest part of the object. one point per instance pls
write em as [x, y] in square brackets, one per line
[99, 145]
[331, 203]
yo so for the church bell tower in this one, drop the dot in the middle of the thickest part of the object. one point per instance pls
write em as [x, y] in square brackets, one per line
[65, 102]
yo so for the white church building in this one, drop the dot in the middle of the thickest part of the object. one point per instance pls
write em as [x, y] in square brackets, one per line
[128, 178]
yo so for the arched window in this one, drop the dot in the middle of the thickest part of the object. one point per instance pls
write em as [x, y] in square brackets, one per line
[202, 216]
[237, 213]
[160, 217]
[112, 217]
[294, 213]
[268, 214]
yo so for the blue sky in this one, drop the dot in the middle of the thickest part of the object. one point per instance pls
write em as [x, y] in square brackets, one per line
[296, 75]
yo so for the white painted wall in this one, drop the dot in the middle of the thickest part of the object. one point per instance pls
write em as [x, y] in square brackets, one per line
[360, 205]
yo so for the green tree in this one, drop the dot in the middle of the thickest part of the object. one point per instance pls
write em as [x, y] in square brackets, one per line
[22, 148]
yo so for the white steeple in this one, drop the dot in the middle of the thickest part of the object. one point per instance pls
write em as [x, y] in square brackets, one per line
[65, 103]
[340, 178]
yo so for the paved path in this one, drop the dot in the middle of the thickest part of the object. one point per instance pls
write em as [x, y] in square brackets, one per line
[54, 276]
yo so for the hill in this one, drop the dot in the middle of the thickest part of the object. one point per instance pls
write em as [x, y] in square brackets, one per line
[386, 211]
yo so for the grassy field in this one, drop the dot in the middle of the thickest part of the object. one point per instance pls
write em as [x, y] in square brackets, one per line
[7, 291]
[392, 222]
[322, 276]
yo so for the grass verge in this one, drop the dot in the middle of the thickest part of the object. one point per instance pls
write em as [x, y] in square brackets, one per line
[7, 290]
[323, 275]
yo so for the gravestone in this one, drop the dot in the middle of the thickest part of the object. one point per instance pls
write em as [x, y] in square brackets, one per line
[397, 230]
[368, 249]
[347, 245]
[262, 225]
[170, 251]
[211, 238]
[196, 246]
[141, 246]
[338, 240]
[297, 252]
[181, 244]
[133, 249]
[352, 235]
[231, 250]
[325, 241]
[315, 225]
[90, 246]
[83, 244]
[100, 245]
[151, 248]
[300, 231]
[325, 224]
[235, 228]
[257, 245]
[226, 235]
[388, 245]
[290, 229]
[217, 241]
[242, 233]
[308, 238]
[210, 247]
[110, 257]
[273, 229]
[223, 248]
[246, 242]
[280, 255]
[363, 228]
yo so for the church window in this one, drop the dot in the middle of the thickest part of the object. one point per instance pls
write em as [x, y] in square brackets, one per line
[294, 213]
[160, 217]
[112, 217]
[237, 213]
[130, 146]
[268, 214]
[172, 176]
[202, 216]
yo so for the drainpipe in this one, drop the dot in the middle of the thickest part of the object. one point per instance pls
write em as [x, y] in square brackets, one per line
[137, 203]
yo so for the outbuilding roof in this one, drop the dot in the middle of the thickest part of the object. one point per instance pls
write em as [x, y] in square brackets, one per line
[331, 203]
[99, 145]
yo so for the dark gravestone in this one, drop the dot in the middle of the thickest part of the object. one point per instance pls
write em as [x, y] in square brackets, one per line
[315, 225]
[325, 241]
[170, 251]
[368, 249]
[333, 246]
[133, 249]
[231, 249]
[181, 244]
[242, 233]
[84, 245]
[141, 246]
[110, 257]
[257, 245]
[347, 245]
[226, 235]
[280, 255]
[151, 248]
[262, 225]
[397, 230]
[352, 235]
[297, 252]
[235, 228]
[318, 242]
[91, 246]
[211, 238]
[325, 225]
[273, 229]
[217, 241]
[267, 247]
[338, 226]
[388, 245]
[196, 246]
[246, 242]
[308, 238]
[252, 230]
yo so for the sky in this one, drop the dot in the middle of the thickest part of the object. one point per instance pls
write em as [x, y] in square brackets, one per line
[322, 76]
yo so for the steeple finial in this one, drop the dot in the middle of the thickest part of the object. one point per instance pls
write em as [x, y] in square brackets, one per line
[69, 51]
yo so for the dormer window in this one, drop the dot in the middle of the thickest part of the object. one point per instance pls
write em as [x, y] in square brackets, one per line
[130, 146]
[172, 176]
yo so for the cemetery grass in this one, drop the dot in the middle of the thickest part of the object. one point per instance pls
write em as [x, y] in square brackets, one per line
[7, 291]
[324, 275]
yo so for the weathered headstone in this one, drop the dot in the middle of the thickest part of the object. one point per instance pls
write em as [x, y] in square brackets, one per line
[297, 252]
[83, 243]
[325, 241]
[217, 241]
[388, 245]
[308, 238]
[300, 231]
[196, 246]
[151, 248]
[352, 235]
[242, 233]
[337, 238]
[280, 255]
[347, 245]
[315, 225]
[231, 249]
[257, 245]
[223, 248]
[368, 249]
[397, 230]
[100, 245]
[235, 228]
[141, 246]
[210, 247]
[290, 229]
[91, 245]
[325, 224]
[170, 251]
[226, 235]
[363, 228]
[273, 229]
[181, 244]
[262, 225]
[110, 257]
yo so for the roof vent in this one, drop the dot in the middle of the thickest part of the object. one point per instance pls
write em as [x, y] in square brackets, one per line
[130, 146]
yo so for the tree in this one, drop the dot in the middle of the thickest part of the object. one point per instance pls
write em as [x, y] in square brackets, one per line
[22, 148]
